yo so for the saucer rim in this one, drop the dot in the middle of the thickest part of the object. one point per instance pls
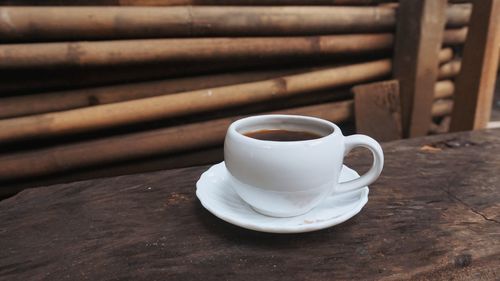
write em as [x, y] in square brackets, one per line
[300, 228]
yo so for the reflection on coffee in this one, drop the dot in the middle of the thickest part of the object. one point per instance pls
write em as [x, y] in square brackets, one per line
[282, 135]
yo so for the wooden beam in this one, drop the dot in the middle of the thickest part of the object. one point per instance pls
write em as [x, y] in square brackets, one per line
[476, 80]
[377, 110]
[419, 35]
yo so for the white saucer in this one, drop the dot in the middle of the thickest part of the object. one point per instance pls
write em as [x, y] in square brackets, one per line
[218, 197]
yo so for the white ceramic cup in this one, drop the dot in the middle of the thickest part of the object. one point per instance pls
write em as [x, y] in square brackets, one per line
[289, 178]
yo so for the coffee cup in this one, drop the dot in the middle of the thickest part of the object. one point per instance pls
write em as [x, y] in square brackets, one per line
[280, 174]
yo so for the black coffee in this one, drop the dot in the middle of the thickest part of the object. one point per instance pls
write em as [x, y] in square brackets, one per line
[282, 135]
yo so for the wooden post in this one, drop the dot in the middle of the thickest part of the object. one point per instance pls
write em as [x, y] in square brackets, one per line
[419, 35]
[377, 109]
[476, 80]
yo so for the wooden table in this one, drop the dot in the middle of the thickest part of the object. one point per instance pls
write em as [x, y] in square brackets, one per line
[434, 214]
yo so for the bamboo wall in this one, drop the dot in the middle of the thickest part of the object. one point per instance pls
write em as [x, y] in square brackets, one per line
[97, 91]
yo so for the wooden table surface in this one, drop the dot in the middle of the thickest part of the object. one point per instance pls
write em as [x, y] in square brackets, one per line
[434, 214]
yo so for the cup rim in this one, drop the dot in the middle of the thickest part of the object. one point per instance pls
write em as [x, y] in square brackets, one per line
[233, 128]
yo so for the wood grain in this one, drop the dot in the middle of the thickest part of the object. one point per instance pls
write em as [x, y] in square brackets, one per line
[476, 81]
[419, 36]
[437, 220]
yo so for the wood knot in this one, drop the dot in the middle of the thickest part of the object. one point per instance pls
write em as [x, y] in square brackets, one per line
[463, 260]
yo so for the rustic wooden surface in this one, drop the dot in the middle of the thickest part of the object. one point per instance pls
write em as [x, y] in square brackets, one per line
[434, 214]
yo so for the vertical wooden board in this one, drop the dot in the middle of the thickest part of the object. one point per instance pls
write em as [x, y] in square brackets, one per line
[476, 81]
[419, 35]
[377, 110]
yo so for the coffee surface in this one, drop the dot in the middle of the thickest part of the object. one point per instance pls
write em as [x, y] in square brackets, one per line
[282, 135]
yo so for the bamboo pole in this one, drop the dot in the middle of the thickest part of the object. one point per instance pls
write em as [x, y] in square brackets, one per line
[168, 106]
[178, 51]
[442, 108]
[203, 2]
[162, 162]
[35, 81]
[66, 100]
[450, 69]
[190, 137]
[145, 144]
[444, 89]
[458, 15]
[455, 36]
[191, 2]
[80, 23]
[445, 55]
[90, 23]
[28, 81]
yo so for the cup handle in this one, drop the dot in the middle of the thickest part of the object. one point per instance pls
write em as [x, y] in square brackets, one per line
[378, 163]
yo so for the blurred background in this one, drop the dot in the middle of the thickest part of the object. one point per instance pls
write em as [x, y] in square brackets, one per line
[94, 88]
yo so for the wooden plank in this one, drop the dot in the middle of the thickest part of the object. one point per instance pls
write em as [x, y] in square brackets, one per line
[419, 35]
[377, 110]
[439, 221]
[475, 83]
